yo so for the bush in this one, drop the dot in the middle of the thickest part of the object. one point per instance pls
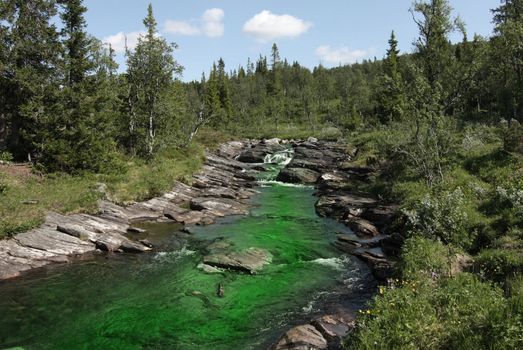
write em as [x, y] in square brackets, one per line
[422, 257]
[500, 264]
[441, 217]
[454, 313]
[6, 156]
[512, 136]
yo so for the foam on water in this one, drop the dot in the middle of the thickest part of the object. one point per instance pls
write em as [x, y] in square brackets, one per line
[280, 158]
[269, 183]
[335, 263]
[174, 254]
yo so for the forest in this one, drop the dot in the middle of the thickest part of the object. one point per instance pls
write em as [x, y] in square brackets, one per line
[441, 125]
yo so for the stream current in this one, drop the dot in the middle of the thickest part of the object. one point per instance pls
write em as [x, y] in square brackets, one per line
[163, 301]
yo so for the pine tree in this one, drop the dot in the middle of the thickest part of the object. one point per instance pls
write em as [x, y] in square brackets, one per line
[275, 88]
[223, 89]
[77, 131]
[76, 43]
[150, 75]
[30, 51]
[212, 98]
[391, 96]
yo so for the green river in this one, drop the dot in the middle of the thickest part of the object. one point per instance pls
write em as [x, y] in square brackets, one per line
[163, 301]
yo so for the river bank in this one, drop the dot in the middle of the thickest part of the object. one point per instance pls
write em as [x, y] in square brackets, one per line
[226, 187]
[221, 188]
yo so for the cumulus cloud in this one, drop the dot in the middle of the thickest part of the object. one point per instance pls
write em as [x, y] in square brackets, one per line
[210, 25]
[266, 26]
[181, 27]
[213, 23]
[340, 55]
[117, 41]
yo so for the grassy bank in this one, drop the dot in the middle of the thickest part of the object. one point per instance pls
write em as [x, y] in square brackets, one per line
[459, 281]
[25, 196]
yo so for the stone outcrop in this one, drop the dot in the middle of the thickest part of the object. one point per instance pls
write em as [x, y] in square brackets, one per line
[328, 166]
[250, 260]
[325, 332]
[223, 187]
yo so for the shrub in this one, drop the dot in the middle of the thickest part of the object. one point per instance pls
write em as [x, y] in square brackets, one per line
[6, 156]
[422, 257]
[441, 217]
[454, 313]
[499, 264]
[512, 136]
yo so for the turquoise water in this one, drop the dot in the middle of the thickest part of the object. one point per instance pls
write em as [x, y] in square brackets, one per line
[163, 301]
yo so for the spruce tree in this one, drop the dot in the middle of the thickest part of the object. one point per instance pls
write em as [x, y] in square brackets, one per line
[30, 52]
[77, 132]
[151, 107]
[391, 96]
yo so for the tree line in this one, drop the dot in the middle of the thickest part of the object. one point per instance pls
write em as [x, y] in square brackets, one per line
[64, 106]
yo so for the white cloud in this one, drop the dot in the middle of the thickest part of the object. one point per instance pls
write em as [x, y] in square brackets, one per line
[210, 24]
[266, 26]
[117, 41]
[181, 27]
[213, 23]
[340, 55]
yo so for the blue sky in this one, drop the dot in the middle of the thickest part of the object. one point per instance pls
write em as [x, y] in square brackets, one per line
[327, 31]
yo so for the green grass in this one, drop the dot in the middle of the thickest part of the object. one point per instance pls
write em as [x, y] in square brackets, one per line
[24, 200]
[465, 311]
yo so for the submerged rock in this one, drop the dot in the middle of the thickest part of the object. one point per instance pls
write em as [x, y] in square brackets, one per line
[250, 260]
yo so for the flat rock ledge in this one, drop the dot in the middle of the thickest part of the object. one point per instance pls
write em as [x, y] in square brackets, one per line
[251, 260]
[223, 187]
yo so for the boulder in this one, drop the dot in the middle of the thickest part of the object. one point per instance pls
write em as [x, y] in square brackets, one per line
[187, 217]
[219, 206]
[334, 181]
[362, 227]
[250, 260]
[304, 337]
[231, 149]
[335, 327]
[298, 176]
[339, 205]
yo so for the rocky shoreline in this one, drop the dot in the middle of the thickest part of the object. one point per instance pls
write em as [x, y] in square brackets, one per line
[328, 167]
[222, 188]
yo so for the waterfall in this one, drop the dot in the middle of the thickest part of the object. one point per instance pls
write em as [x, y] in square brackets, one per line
[281, 158]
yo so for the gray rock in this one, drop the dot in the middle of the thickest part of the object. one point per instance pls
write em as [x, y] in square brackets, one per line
[362, 227]
[335, 327]
[298, 176]
[250, 260]
[219, 206]
[304, 337]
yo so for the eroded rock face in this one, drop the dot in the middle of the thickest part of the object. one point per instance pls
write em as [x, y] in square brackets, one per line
[250, 260]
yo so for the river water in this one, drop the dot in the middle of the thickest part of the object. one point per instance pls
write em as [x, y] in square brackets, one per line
[163, 301]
